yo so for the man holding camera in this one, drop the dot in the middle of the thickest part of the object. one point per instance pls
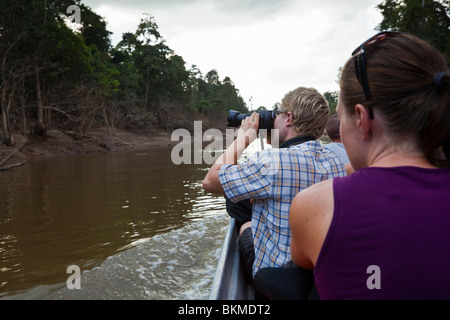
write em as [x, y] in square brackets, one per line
[271, 178]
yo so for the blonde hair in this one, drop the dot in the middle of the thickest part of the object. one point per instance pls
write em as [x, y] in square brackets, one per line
[309, 108]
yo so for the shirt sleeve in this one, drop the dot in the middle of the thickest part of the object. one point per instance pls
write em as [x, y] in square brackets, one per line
[250, 179]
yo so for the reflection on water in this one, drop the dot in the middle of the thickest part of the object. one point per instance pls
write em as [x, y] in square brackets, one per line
[88, 210]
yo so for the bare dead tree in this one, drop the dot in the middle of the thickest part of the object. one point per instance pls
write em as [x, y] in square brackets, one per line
[5, 87]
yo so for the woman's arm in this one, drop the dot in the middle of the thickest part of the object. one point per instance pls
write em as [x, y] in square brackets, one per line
[310, 217]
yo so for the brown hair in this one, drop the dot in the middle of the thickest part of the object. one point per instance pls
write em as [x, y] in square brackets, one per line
[309, 108]
[401, 71]
[332, 128]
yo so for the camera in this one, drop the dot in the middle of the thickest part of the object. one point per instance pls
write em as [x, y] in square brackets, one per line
[266, 119]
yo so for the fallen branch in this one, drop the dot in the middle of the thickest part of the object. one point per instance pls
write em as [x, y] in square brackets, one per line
[8, 157]
[66, 113]
[12, 166]
[79, 136]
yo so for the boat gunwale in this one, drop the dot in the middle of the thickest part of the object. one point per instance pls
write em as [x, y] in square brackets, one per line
[229, 282]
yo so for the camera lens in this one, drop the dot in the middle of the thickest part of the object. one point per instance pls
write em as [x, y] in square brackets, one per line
[265, 119]
[235, 118]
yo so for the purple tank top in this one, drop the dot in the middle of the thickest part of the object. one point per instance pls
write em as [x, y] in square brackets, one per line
[389, 237]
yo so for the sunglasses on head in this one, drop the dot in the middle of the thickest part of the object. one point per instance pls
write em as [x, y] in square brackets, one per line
[359, 57]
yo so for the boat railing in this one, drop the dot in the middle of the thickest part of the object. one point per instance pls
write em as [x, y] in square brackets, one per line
[229, 282]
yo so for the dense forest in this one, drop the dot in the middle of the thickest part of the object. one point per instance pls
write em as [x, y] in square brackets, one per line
[61, 72]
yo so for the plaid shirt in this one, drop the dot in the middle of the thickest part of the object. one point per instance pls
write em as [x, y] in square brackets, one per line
[272, 178]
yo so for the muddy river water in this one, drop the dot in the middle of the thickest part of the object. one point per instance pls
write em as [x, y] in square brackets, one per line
[134, 224]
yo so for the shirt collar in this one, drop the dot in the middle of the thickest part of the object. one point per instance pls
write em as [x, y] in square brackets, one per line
[296, 140]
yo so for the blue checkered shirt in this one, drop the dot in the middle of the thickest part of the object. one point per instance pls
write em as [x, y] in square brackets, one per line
[272, 178]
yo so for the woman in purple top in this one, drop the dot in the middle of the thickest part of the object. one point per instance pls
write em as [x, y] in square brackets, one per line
[384, 231]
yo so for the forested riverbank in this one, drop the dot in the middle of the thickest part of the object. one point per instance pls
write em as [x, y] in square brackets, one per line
[64, 88]
[60, 73]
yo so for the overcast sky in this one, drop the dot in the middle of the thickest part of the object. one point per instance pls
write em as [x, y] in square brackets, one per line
[266, 47]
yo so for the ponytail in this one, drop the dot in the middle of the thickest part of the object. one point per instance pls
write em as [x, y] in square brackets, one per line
[441, 83]
[438, 80]
[446, 149]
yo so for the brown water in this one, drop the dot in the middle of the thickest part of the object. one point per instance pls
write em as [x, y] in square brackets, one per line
[138, 226]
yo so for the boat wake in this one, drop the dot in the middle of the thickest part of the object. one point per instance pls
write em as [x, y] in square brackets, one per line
[176, 265]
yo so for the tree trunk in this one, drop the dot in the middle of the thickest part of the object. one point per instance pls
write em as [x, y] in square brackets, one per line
[110, 133]
[7, 137]
[146, 94]
[22, 107]
[40, 128]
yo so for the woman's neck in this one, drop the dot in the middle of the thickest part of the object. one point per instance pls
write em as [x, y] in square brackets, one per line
[397, 157]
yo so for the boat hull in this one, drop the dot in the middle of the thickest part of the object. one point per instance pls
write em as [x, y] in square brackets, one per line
[229, 282]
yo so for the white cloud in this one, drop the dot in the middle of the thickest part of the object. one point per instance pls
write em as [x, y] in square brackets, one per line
[266, 47]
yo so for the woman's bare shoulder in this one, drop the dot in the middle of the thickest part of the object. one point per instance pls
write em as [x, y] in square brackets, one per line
[310, 218]
[316, 196]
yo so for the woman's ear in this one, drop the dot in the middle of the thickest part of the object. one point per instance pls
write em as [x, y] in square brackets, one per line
[363, 120]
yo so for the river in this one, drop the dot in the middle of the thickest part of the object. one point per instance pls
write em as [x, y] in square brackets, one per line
[136, 225]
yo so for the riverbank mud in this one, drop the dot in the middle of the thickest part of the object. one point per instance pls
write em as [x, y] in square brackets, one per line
[63, 143]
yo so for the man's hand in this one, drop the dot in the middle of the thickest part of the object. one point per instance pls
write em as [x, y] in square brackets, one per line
[249, 129]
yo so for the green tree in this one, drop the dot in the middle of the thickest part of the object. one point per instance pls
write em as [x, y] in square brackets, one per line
[45, 63]
[215, 96]
[332, 98]
[427, 19]
[212, 78]
[175, 79]
[94, 30]
[55, 75]
[122, 58]
[231, 97]
[151, 56]
[194, 77]
[31, 34]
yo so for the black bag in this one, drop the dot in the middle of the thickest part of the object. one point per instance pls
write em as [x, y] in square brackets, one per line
[241, 211]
